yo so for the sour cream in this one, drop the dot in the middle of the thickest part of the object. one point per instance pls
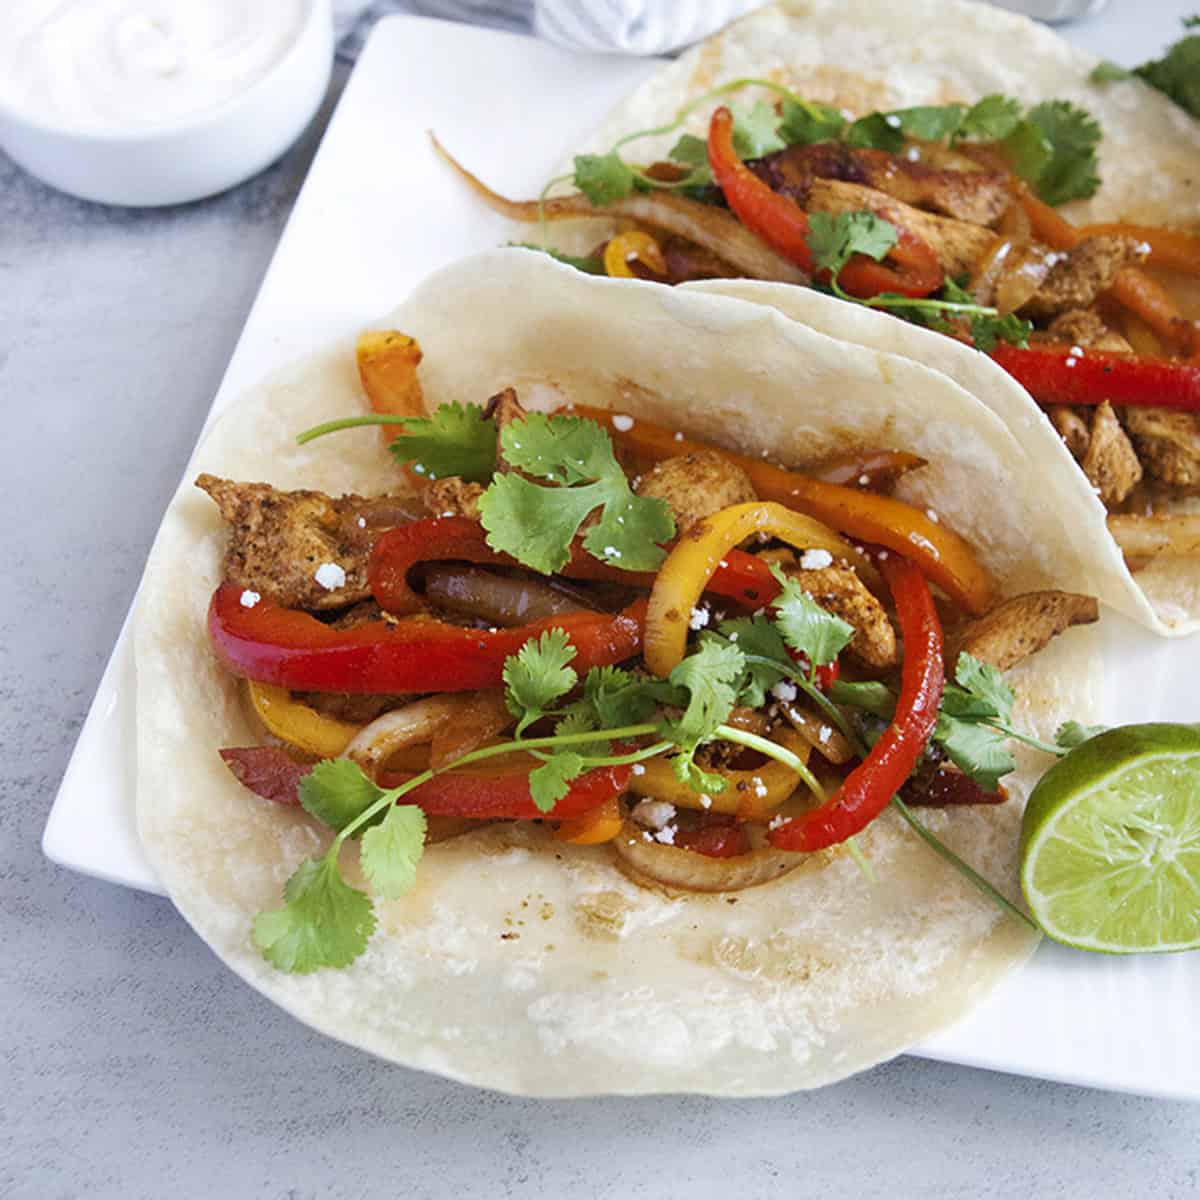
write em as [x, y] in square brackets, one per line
[121, 65]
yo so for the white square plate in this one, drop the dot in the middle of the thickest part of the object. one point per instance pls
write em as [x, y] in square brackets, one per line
[378, 213]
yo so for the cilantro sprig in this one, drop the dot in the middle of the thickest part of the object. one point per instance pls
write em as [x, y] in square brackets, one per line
[1176, 74]
[537, 525]
[835, 237]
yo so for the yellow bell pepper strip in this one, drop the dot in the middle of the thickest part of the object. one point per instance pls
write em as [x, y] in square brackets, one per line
[387, 368]
[624, 247]
[943, 557]
[322, 736]
[298, 724]
[751, 795]
[602, 824]
[684, 574]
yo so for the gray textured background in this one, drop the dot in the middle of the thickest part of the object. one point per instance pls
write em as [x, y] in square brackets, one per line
[131, 1063]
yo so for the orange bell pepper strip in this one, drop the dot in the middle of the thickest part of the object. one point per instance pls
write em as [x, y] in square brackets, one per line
[1169, 248]
[944, 557]
[1132, 288]
[783, 225]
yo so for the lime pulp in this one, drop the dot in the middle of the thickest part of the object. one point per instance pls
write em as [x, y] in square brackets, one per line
[1110, 844]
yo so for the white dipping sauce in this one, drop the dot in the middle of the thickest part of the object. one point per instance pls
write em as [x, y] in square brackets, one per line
[116, 65]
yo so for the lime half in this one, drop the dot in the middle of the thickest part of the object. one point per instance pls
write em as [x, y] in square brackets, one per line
[1110, 845]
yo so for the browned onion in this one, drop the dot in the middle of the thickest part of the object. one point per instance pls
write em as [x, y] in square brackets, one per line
[713, 228]
[819, 734]
[499, 599]
[412, 725]
[690, 871]
[480, 716]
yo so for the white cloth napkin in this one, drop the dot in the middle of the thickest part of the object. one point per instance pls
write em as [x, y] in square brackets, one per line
[598, 26]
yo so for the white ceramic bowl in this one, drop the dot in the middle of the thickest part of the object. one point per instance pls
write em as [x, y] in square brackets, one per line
[184, 160]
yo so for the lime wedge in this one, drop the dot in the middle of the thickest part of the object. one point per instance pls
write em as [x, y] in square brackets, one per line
[1110, 845]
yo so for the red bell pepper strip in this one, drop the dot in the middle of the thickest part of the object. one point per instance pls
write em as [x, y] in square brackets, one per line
[505, 796]
[869, 788]
[720, 837]
[1056, 375]
[458, 539]
[290, 648]
[271, 773]
[783, 225]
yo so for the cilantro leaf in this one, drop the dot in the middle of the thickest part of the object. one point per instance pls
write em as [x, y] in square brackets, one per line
[620, 698]
[538, 675]
[986, 331]
[455, 439]
[979, 750]
[1177, 73]
[711, 675]
[834, 237]
[536, 525]
[876, 131]
[550, 782]
[991, 119]
[756, 636]
[1073, 136]
[591, 265]
[603, 178]
[805, 122]
[690, 150]
[754, 132]
[1109, 72]
[337, 791]
[392, 849]
[931, 123]
[1071, 734]
[323, 923]
[1028, 150]
[982, 681]
[807, 627]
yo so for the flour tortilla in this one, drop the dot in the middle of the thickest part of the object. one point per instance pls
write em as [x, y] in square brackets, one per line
[607, 987]
[865, 55]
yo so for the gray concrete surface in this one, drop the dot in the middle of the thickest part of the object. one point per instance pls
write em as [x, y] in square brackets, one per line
[131, 1063]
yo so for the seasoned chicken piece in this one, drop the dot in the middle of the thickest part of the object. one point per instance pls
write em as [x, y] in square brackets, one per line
[301, 549]
[504, 408]
[697, 485]
[974, 195]
[959, 245]
[1168, 443]
[1082, 274]
[686, 261]
[1072, 427]
[452, 497]
[840, 590]
[1020, 626]
[1084, 327]
[1110, 463]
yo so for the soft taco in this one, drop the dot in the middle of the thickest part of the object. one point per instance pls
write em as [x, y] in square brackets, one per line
[938, 179]
[752, 581]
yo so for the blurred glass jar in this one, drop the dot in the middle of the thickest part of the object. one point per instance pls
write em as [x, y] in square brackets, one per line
[1053, 10]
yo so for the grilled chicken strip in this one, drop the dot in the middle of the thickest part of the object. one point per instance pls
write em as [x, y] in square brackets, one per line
[1110, 463]
[697, 485]
[977, 196]
[1168, 443]
[1082, 274]
[300, 549]
[959, 245]
[840, 590]
[1020, 626]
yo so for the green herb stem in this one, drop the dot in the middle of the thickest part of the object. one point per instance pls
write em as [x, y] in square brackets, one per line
[965, 869]
[771, 749]
[1036, 743]
[317, 431]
